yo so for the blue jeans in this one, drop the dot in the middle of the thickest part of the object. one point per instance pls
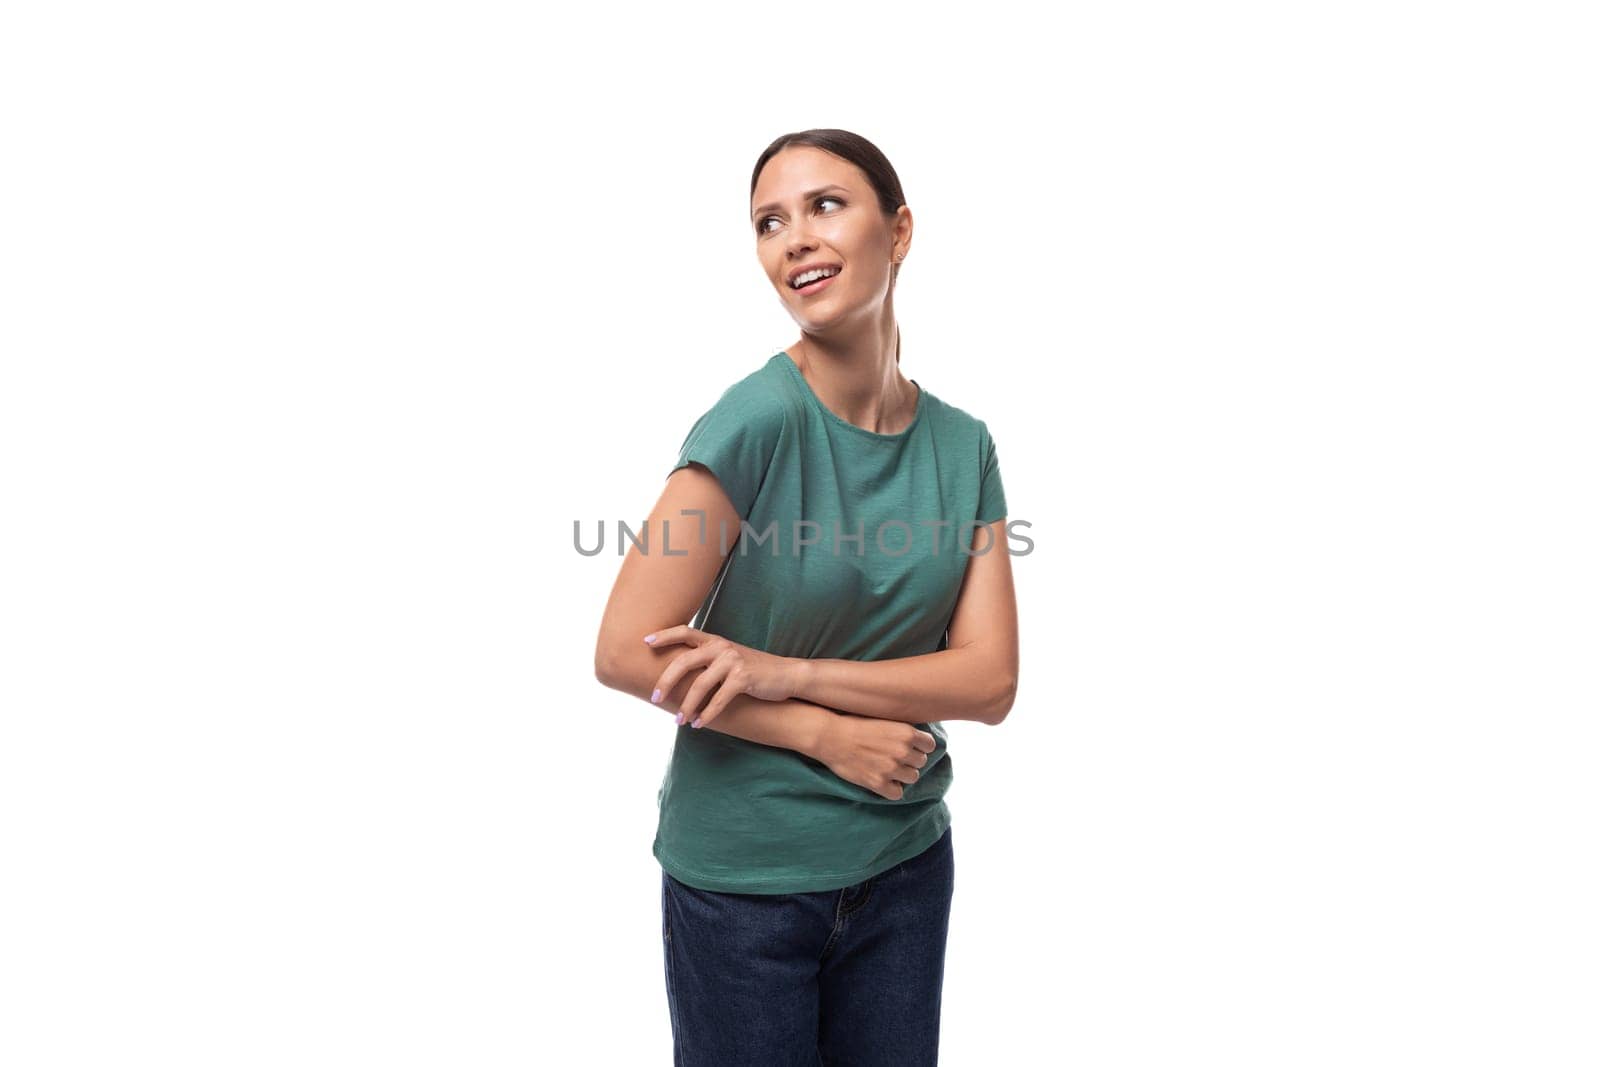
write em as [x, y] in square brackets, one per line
[848, 976]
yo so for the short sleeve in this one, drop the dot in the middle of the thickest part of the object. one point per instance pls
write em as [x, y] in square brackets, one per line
[991, 489]
[736, 439]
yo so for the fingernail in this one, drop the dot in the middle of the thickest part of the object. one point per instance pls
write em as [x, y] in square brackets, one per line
[698, 723]
[655, 697]
[680, 718]
[650, 639]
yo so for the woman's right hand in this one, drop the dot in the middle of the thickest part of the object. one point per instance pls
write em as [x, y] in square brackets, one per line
[877, 754]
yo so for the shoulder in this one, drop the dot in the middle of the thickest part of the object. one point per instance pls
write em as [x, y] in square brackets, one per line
[957, 422]
[756, 407]
[760, 398]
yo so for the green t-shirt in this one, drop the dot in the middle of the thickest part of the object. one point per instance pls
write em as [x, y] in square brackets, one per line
[741, 817]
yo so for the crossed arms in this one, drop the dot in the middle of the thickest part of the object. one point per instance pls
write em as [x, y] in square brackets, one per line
[974, 678]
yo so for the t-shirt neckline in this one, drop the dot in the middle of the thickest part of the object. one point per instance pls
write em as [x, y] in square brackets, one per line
[829, 414]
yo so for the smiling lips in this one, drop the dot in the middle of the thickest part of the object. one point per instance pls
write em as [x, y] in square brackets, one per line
[819, 284]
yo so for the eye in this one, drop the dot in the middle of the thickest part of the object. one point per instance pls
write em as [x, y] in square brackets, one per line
[761, 226]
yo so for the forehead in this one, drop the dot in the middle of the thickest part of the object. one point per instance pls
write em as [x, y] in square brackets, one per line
[799, 168]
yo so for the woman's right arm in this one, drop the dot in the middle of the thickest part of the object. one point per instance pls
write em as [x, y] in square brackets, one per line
[655, 590]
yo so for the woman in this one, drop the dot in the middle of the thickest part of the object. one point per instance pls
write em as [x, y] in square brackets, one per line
[842, 532]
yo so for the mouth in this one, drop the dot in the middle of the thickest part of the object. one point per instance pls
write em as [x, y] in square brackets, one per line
[815, 279]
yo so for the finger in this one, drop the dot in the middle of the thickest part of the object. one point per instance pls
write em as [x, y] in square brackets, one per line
[702, 688]
[724, 696]
[672, 635]
[681, 664]
[903, 773]
[924, 740]
[891, 791]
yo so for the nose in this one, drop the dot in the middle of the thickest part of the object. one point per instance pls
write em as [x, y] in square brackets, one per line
[800, 239]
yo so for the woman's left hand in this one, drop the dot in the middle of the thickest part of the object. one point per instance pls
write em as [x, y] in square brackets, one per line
[730, 669]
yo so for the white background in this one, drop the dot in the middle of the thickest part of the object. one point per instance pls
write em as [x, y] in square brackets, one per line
[323, 322]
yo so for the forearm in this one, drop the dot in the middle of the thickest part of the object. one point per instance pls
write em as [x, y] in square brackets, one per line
[955, 683]
[793, 724]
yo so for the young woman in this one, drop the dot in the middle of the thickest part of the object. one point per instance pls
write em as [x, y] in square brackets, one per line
[841, 531]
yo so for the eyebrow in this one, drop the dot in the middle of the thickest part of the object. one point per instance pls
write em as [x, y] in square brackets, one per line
[809, 194]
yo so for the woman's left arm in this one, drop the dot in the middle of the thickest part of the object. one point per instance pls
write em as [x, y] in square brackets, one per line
[974, 678]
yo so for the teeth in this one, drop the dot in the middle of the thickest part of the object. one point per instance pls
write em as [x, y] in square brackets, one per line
[812, 275]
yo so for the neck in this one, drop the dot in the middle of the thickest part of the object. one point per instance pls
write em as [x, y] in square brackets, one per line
[858, 378]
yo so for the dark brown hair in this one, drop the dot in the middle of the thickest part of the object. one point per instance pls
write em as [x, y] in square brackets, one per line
[852, 148]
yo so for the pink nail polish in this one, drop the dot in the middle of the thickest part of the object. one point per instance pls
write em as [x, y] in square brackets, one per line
[697, 724]
[655, 697]
[680, 718]
[650, 640]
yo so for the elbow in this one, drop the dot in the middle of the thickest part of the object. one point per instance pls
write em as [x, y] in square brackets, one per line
[606, 665]
[619, 665]
[1002, 703]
